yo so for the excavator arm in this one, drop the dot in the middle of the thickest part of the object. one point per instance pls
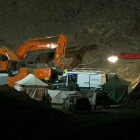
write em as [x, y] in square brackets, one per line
[60, 51]
[37, 44]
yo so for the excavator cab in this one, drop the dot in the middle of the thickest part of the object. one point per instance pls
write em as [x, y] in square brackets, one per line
[13, 67]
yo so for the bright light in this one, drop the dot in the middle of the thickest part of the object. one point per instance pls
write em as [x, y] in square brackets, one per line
[113, 59]
[53, 46]
[49, 46]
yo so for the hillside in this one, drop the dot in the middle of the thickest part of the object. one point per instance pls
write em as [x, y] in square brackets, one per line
[95, 29]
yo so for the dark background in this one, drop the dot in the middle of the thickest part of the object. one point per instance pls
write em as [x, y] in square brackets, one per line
[102, 27]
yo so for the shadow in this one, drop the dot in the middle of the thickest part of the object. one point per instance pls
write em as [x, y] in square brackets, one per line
[115, 107]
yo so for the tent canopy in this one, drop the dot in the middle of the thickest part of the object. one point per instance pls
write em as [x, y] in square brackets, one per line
[116, 88]
[11, 80]
[59, 95]
[31, 80]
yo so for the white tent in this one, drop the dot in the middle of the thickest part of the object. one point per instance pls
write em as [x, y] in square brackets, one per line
[58, 95]
[59, 98]
[53, 93]
[29, 80]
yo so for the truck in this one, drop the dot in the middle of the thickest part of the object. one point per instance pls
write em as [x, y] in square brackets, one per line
[82, 80]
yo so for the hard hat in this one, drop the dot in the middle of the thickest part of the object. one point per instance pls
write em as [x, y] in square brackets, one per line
[65, 70]
[46, 78]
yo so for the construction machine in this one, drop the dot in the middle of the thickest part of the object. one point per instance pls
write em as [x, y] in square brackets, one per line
[38, 70]
[34, 44]
[14, 59]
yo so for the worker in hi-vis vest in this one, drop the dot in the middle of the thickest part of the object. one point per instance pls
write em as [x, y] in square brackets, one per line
[46, 80]
[65, 70]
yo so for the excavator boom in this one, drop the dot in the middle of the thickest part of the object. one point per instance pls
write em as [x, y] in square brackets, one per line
[36, 44]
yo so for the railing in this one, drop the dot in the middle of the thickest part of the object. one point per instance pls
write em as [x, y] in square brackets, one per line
[95, 70]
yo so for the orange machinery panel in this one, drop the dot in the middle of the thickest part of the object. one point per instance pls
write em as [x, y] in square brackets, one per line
[23, 70]
[11, 81]
[42, 73]
[3, 65]
[39, 73]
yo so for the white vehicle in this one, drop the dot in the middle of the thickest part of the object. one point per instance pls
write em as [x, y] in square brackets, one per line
[84, 80]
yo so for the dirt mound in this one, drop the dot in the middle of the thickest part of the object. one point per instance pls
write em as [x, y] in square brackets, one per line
[21, 116]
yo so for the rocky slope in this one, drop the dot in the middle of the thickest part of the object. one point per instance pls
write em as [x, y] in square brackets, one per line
[95, 29]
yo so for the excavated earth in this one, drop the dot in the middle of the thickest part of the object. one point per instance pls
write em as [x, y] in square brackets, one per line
[95, 29]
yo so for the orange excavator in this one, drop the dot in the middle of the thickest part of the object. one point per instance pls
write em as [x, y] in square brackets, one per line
[34, 44]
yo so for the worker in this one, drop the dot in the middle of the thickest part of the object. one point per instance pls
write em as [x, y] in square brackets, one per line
[74, 78]
[63, 79]
[46, 80]
[93, 100]
[65, 71]
[49, 99]
[44, 98]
